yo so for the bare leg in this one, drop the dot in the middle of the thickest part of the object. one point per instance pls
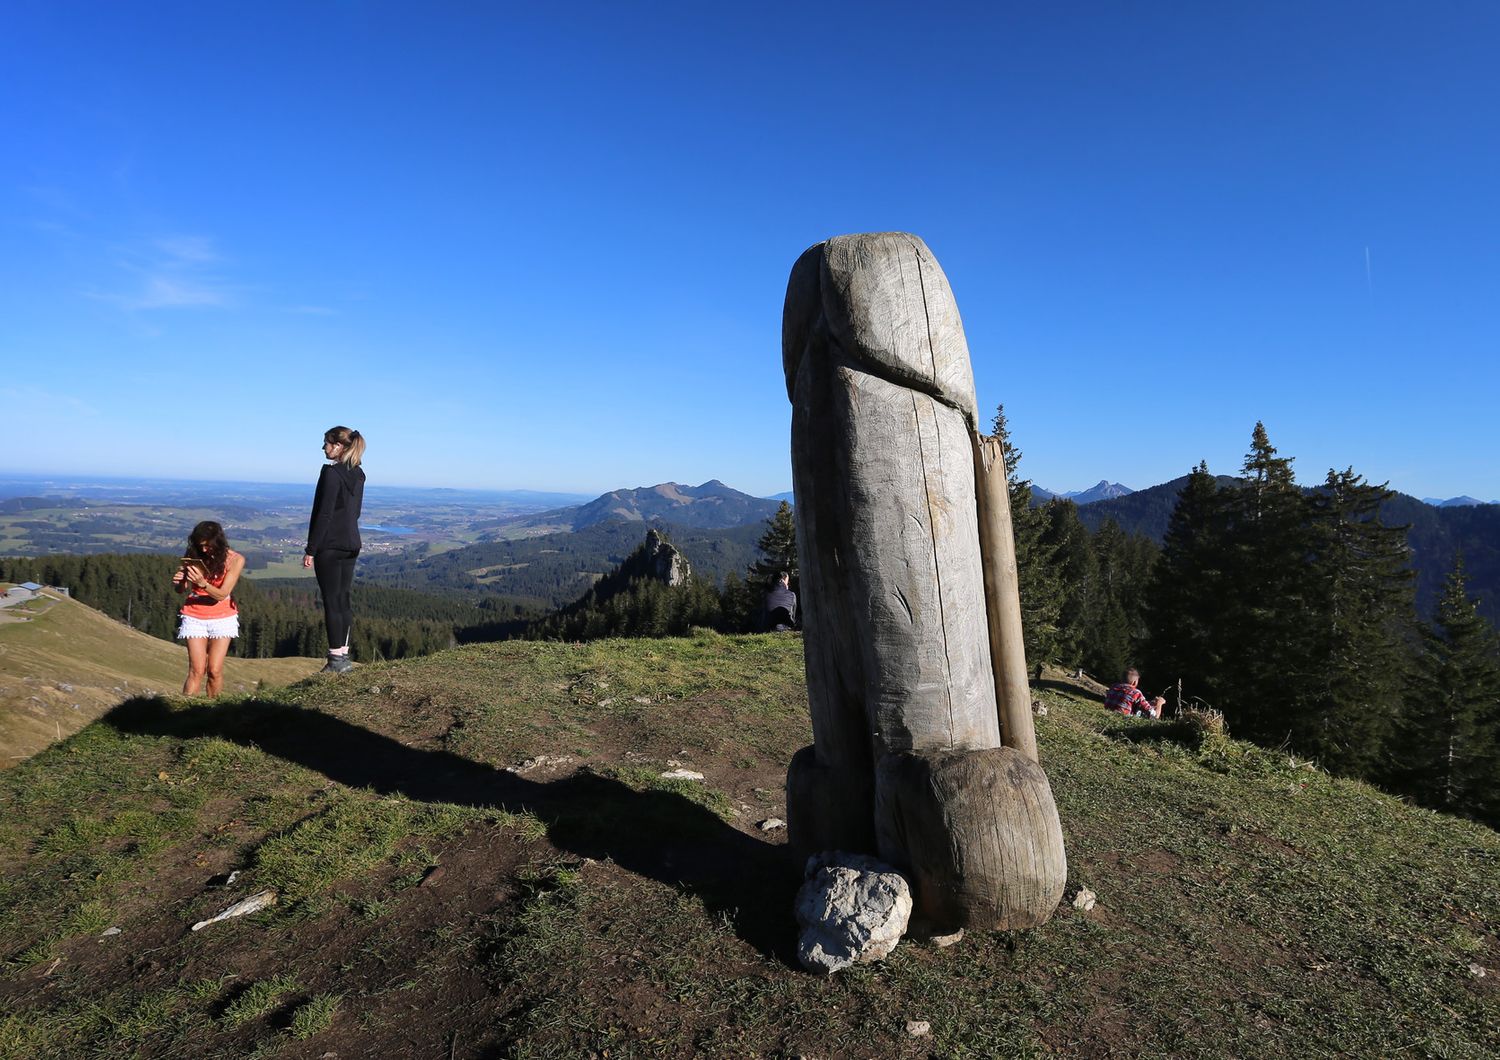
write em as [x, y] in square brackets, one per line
[218, 648]
[197, 648]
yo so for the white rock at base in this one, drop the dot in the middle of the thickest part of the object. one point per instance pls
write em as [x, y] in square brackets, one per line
[852, 910]
[540, 762]
[1084, 900]
[681, 774]
[254, 904]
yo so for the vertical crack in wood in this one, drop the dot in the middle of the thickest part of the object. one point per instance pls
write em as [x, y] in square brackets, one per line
[937, 566]
[926, 492]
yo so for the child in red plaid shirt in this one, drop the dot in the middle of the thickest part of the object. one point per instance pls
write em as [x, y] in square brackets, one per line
[1126, 698]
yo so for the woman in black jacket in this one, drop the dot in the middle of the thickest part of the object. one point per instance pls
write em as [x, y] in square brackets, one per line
[333, 537]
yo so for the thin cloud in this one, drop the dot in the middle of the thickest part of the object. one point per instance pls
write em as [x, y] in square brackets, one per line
[55, 200]
[34, 397]
[188, 250]
[173, 272]
[168, 292]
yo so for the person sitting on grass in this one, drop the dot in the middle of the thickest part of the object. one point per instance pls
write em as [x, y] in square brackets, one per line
[781, 604]
[1126, 698]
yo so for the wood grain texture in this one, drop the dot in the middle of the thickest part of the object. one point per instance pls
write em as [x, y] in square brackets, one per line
[897, 635]
[978, 834]
[1002, 590]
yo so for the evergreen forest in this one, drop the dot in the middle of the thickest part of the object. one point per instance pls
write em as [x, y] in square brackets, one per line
[1291, 611]
[277, 618]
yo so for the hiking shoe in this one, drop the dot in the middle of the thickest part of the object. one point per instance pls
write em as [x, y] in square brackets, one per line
[337, 664]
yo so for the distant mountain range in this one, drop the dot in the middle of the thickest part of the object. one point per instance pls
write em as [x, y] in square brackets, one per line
[1103, 490]
[712, 505]
[1455, 502]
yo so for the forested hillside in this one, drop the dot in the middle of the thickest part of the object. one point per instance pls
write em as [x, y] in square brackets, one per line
[550, 571]
[276, 619]
[1292, 610]
[1436, 536]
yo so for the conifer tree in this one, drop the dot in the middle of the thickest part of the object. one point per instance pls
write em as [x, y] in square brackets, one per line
[1449, 753]
[1076, 569]
[1361, 611]
[1187, 641]
[1116, 630]
[778, 549]
[738, 605]
[1040, 587]
[1263, 644]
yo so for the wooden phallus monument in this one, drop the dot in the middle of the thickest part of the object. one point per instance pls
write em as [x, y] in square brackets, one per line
[923, 748]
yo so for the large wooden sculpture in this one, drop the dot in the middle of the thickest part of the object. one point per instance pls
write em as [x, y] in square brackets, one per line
[914, 759]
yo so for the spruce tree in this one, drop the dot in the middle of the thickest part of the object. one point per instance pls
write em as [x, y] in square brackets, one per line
[1077, 571]
[1115, 632]
[738, 605]
[778, 549]
[1448, 756]
[1187, 641]
[1264, 647]
[1361, 610]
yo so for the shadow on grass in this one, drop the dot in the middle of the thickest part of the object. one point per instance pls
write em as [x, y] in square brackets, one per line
[1070, 687]
[1170, 730]
[656, 834]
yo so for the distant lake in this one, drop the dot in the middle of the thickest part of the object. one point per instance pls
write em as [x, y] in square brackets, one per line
[387, 529]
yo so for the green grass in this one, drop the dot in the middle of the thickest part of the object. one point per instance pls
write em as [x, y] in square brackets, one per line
[352, 834]
[314, 1015]
[1249, 905]
[259, 999]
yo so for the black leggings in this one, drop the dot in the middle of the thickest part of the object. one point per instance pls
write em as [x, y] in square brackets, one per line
[335, 570]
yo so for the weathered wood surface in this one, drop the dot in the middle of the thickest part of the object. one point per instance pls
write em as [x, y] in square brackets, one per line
[882, 405]
[978, 834]
[1002, 590]
[896, 628]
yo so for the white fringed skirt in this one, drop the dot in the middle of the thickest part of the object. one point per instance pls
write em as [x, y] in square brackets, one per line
[192, 628]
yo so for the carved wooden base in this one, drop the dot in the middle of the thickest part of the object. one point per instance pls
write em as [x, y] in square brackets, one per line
[827, 809]
[976, 832]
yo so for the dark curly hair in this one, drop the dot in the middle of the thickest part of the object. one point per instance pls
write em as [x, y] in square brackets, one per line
[208, 543]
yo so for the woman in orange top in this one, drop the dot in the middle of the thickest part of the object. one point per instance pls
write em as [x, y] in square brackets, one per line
[210, 619]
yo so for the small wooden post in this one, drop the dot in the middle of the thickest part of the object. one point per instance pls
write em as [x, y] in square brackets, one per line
[997, 546]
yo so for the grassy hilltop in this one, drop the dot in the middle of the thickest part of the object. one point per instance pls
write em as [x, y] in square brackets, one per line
[62, 664]
[434, 904]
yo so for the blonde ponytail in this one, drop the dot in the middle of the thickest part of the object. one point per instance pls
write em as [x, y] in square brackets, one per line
[352, 441]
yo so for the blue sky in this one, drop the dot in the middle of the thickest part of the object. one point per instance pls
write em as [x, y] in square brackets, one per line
[548, 249]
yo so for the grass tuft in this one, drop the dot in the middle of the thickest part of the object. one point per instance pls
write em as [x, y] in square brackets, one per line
[314, 1015]
[259, 999]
